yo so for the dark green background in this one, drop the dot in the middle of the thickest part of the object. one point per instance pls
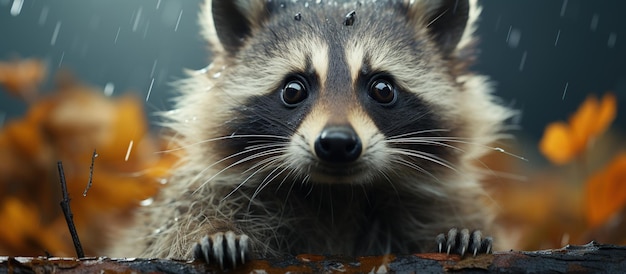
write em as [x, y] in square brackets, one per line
[582, 58]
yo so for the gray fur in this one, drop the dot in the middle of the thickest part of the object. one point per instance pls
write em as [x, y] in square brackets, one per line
[280, 201]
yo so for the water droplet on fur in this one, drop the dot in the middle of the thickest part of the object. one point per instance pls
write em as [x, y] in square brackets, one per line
[146, 202]
[350, 17]
[163, 181]
[501, 150]
[217, 75]
[298, 17]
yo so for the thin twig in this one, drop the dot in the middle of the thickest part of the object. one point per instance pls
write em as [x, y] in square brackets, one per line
[67, 211]
[93, 159]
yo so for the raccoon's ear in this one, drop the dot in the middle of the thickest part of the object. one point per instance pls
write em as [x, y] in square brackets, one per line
[226, 23]
[447, 21]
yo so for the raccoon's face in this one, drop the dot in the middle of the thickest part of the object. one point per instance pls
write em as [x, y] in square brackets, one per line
[342, 92]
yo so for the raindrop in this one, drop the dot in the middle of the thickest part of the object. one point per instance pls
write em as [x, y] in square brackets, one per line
[563, 8]
[150, 89]
[556, 41]
[594, 22]
[178, 20]
[55, 34]
[158, 4]
[145, 30]
[43, 15]
[108, 89]
[306, 5]
[349, 19]
[282, 5]
[565, 90]
[514, 38]
[163, 181]
[130, 148]
[153, 67]
[523, 61]
[612, 40]
[501, 150]
[117, 35]
[137, 18]
[16, 8]
[61, 59]
[146, 202]
[298, 17]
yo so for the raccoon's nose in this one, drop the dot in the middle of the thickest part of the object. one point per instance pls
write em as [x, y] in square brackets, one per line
[338, 144]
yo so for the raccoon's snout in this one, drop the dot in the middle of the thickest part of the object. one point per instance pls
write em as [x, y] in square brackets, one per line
[338, 144]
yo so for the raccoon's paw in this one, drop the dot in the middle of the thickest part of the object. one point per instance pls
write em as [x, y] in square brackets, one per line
[462, 242]
[226, 249]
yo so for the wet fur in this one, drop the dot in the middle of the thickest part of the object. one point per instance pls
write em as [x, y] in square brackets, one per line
[396, 208]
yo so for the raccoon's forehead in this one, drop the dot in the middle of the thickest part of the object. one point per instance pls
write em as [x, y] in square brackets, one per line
[312, 36]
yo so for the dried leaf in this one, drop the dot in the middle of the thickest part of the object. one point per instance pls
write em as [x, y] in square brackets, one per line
[606, 192]
[562, 142]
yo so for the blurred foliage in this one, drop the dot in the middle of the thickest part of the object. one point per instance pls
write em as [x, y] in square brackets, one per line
[67, 125]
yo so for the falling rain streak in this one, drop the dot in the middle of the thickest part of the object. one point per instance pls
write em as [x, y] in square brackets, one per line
[137, 18]
[178, 20]
[558, 35]
[108, 89]
[55, 34]
[117, 35]
[61, 60]
[594, 22]
[16, 8]
[150, 90]
[523, 61]
[563, 8]
[43, 16]
[612, 40]
[130, 148]
[565, 90]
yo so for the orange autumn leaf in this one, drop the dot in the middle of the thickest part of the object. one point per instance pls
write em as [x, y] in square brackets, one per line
[562, 141]
[605, 192]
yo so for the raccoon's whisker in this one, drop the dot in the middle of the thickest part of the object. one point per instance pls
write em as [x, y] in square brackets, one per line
[223, 138]
[235, 155]
[382, 173]
[424, 141]
[426, 156]
[265, 163]
[266, 181]
[291, 171]
[436, 18]
[417, 133]
[415, 167]
[251, 157]
[440, 139]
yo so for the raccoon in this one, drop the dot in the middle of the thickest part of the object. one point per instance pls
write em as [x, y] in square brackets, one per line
[327, 127]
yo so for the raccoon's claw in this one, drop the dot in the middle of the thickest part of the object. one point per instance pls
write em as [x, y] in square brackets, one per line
[226, 249]
[462, 242]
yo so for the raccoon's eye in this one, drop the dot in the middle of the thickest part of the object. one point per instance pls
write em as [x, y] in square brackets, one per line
[382, 91]
[294, 92]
